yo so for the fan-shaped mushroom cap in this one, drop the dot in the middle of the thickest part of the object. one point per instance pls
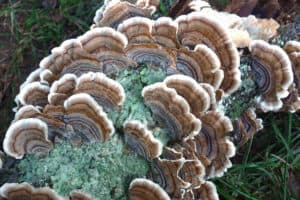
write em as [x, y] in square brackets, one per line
[273, 73]
[292, 46]
[107, 92]
[211, 146]
[24, 191]
[115, 12]
[34, 93]
[172, 109]
[141, 140]
[246, 126]
[213, 94]
[166, 174]
[56, 127]
[207, 191]
[77, 195]
[192, 171]
[113, 61]
[241, 29]
[202, 64]
[213, 142]
[70, 57]
[144, 189]
[191, 91]
[108, 46]
[164, 32]
[55, 111]
[292, 102]
[103, 39]
[153, 55]
[137, 30]
[47, 76]
[62, 89]
[25, 112]
[293, 50]
[87, 118]
[27, 136]
[196, 28]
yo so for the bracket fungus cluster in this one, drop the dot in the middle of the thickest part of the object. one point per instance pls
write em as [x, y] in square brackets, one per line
[71, 96]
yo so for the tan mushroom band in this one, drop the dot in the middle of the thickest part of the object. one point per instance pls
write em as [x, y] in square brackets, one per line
[142, 108]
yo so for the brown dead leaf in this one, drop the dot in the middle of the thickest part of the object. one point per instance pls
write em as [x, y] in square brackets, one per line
[241, 7]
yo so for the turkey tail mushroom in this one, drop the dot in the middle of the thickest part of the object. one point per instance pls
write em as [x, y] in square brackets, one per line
[107, 92]
[154, 55]
[195, 28]
[198, 98]
[115, 12]
[219, 149]
[56, 126]
[87, 118]
[34, 93]
[292, 102]
[27, 136]
[137, 30]
[24, 191]
[164, 32]
[69, 57]
[141, 140]
[78, 195]
[166, 174]
[273, 74]
[144, 189]
[108, 46]
[206, 191]
[202, 64]
[172, 109]
[246, 126]
[62, 89]
[211, 145]
[193, 172]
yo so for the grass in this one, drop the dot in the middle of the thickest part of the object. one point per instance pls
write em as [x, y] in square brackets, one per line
[261, 170]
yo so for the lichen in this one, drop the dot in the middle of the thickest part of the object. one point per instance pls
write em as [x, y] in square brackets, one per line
[234, 105]
[103, 170]
[133, 81]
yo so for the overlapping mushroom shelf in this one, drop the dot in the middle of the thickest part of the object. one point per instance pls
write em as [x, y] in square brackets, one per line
[69, 97]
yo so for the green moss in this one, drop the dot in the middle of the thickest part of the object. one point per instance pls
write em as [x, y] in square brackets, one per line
[133, 81]
[104, 170]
